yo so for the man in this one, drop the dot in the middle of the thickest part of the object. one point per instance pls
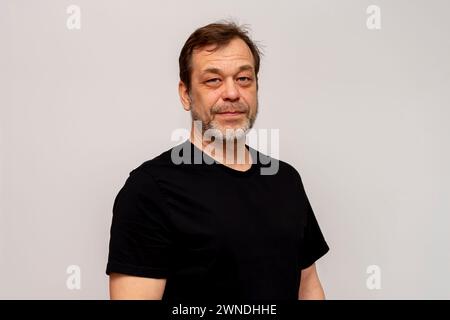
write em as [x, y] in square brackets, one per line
[218, 229]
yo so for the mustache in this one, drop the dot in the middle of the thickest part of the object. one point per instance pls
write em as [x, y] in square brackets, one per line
[235, 107]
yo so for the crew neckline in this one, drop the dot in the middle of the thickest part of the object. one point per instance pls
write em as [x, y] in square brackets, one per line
[250, 171]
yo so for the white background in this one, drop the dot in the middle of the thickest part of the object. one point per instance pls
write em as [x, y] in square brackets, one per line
[363, 116]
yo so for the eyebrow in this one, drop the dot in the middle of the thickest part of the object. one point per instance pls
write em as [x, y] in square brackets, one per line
[218, 71]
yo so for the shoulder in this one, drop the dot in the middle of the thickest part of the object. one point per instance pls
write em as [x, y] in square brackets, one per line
[275, 166]
[143, 179]
[142, 189]
[152, 167]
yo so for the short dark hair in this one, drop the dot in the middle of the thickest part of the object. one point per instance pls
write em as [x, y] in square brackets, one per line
[219, 34]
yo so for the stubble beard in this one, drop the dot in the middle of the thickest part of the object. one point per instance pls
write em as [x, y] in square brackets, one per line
[228, 134]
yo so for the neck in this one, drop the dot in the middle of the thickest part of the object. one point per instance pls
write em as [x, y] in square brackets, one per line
[232, 153]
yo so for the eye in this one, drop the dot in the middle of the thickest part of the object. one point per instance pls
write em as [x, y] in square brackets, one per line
[244, 79]
[213, 80]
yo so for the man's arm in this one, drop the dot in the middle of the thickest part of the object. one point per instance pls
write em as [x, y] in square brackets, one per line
[125, 287]
[310, 287]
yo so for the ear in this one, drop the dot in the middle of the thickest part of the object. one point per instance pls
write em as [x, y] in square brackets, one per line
[184, 96]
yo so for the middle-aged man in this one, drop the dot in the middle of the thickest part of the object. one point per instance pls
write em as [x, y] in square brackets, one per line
[215, 229]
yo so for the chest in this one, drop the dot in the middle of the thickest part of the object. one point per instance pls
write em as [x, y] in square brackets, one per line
[242, 220]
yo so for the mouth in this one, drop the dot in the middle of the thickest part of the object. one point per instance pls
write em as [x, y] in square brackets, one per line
[231, 113]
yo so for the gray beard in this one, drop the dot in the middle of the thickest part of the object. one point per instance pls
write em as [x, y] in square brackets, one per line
[227, 134]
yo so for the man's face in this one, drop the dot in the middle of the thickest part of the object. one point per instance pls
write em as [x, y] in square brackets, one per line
[223, 89]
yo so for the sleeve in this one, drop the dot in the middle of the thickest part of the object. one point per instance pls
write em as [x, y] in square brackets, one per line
[312, 244]
[140, 237]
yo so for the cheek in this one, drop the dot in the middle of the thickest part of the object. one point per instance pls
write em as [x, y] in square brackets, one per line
[210, 99]
[250, 98]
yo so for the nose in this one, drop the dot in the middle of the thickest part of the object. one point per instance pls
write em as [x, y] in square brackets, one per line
[230, 91]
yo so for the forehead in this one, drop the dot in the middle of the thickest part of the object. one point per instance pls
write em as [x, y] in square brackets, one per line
[235, 53]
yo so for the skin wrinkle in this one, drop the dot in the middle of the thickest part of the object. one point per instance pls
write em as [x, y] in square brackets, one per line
[233, 60]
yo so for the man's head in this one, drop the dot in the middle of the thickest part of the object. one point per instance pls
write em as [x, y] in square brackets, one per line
[219, 67]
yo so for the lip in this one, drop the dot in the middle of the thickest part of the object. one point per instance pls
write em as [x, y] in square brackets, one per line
[230, 114]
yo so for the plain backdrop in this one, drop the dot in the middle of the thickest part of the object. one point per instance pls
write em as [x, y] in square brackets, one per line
[362, 114]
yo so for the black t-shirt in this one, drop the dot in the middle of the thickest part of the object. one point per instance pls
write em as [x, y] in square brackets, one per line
[212, 231]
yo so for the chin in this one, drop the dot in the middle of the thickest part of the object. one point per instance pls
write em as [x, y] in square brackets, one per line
[230, 133]
[234, 133]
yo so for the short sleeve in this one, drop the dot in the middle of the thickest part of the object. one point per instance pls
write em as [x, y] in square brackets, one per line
[312, 245]
[140, 237]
